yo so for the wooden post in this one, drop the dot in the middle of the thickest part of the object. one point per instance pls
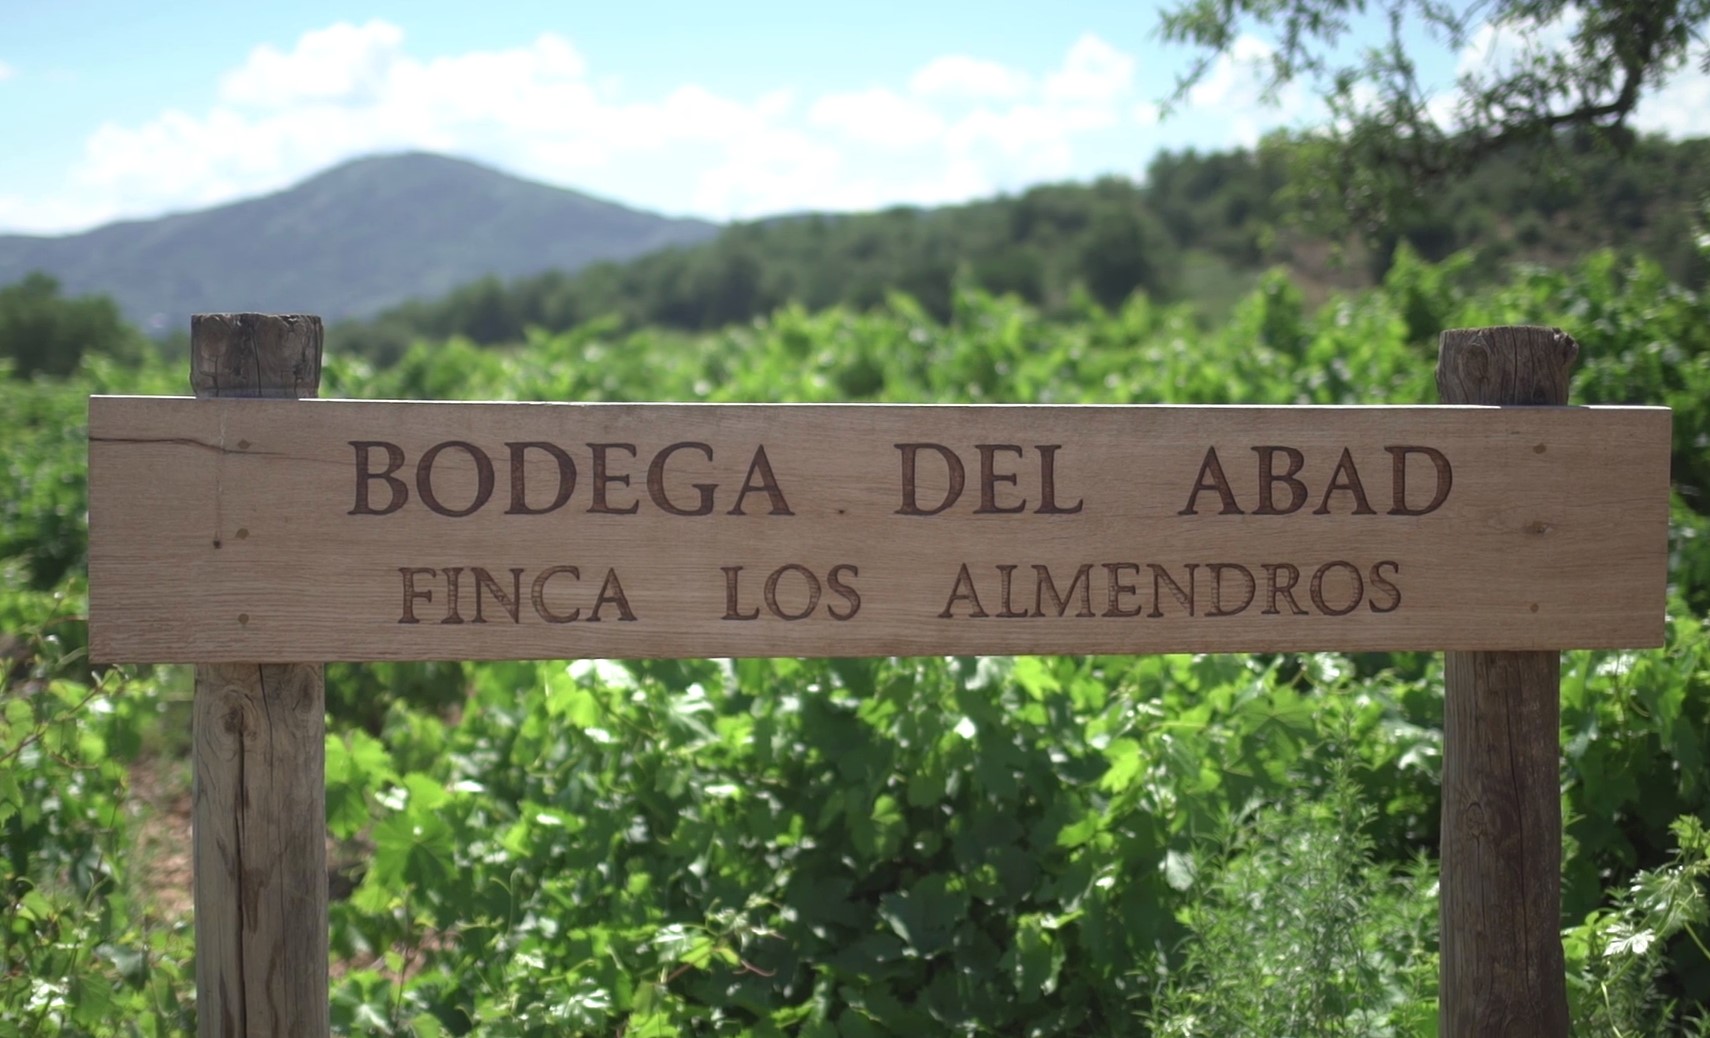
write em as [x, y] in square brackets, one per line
[259, 822]
[1501, 893]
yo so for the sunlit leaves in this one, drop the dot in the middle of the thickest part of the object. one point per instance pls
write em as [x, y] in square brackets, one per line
[937, 846]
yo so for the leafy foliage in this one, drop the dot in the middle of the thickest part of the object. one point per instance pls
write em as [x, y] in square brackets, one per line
[82, 950]
[41, 332]
[1616, 954]
[849, 848]
[1300, 931]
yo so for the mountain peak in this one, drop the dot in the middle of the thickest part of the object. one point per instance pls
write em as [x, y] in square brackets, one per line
[414, 164]
[348, 241]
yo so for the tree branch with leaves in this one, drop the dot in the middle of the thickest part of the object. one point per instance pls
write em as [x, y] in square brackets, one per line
[1575, 77]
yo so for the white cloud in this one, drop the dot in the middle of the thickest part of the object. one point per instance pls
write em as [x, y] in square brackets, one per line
[1233, 94]
[26, 215]
[1680, 109]
[878, 116]
[1093, 72]
[1444, 109]
[1500, 48]
[342, 64]
[777, 173]
[348, 90]
[6, 72]
[958, 75]
[1036, 136]
[1236, 79]
[959, 127]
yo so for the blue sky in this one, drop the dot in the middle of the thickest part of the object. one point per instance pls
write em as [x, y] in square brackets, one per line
[731, 110]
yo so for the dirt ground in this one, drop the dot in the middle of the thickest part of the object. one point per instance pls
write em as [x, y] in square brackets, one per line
[160, 796]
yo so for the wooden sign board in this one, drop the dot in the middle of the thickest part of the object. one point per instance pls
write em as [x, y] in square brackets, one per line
[243, 530]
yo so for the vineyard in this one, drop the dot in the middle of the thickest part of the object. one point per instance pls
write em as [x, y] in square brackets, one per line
[1032, 846]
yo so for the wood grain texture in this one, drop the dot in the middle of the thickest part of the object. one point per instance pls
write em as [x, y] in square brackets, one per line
[279, 531]
[1502, 970]
[260, 850]
[275, 356]
[259, 806]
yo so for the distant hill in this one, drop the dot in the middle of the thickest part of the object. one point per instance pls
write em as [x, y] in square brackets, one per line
[349, 242]
[1199, 228]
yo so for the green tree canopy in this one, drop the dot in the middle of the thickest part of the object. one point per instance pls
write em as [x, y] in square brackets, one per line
[40, 332]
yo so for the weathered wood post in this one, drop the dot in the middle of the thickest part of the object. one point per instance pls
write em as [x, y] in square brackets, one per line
[259, 820]
[1500, 898]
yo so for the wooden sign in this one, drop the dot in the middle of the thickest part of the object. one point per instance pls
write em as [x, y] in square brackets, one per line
[228, 530]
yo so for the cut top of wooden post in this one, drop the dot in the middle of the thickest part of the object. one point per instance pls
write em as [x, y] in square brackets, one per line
[255, 355]
[1505, 365]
